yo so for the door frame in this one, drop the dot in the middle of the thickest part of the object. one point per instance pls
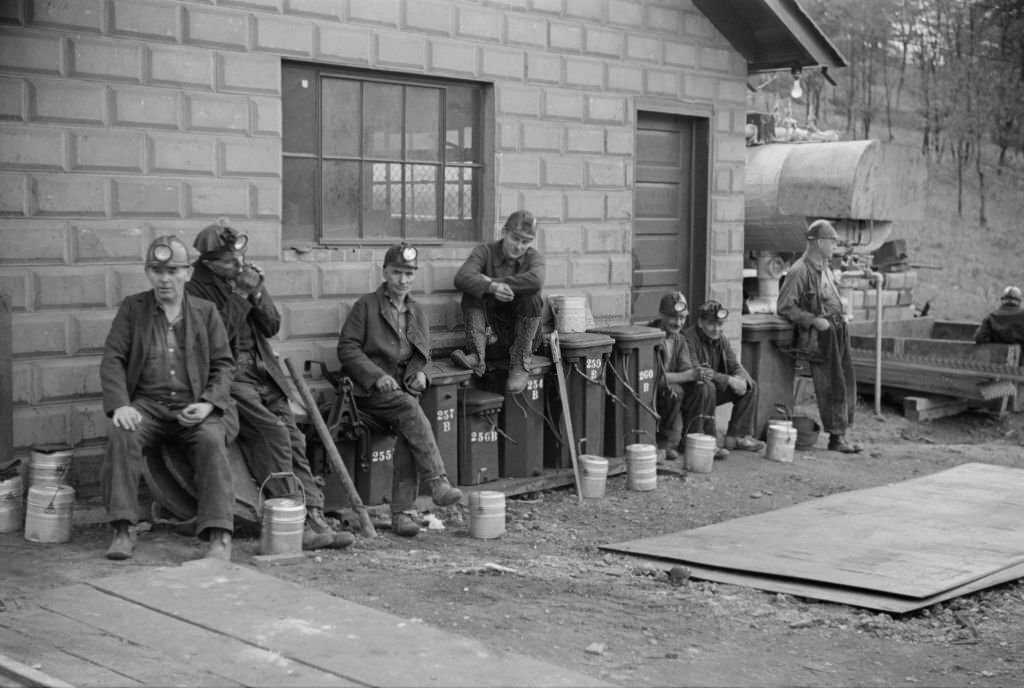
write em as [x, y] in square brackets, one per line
[700, 219]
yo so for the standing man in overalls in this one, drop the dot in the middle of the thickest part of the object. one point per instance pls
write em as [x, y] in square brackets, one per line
[809, 298]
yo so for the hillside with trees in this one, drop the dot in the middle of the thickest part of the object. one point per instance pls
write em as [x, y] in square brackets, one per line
[946, 77]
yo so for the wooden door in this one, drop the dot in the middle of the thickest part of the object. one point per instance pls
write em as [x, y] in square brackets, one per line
[670, 213]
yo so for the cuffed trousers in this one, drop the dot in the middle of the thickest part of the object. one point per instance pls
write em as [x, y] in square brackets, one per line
[835, 384]
[206, 451]
[670, 409]
[700, 400]
[416, 454]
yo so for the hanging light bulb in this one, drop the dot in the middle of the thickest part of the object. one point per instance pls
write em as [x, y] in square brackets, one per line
[797, 91]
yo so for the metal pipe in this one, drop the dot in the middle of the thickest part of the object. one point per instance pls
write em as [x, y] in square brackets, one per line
[879, 279]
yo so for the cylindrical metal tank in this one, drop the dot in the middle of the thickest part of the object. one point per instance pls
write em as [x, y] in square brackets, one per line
[863, 186]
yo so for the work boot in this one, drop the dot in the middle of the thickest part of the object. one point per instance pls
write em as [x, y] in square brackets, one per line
[520, 353]
[442, 492]
[721, 453]
[316, 523]
[123, 544]
[839, 444]
[220, 545]
[746, 443]
[404, 524]
[474, 358]
[314, 540]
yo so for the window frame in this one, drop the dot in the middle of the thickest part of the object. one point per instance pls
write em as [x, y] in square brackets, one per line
[482, 205]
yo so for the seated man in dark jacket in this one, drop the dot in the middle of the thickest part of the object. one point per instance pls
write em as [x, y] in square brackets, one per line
[718, 378]
[166, 375]
[672, 311]
[1004, 325]
[384, 347]
[268, 429]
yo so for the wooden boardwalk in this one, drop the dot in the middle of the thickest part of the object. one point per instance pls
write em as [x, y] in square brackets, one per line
[209, 623]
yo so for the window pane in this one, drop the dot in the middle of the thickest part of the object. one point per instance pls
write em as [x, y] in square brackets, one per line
[421, 201]
[459, 209]
[341, 108]
[383, 210]
[422, 123]
[462, 105]
[382, 132]
[341, 200]
[298, 108]
[298, 211]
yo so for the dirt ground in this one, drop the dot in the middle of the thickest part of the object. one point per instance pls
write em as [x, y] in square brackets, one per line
[567, 602]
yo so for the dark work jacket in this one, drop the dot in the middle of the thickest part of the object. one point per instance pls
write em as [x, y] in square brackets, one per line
[716, 354]
[369, 342]
[1002, 326]
[208, 360]
[262, 318]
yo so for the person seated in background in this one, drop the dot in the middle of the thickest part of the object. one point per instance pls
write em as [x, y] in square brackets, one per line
[1005, 325]
[166, 376]
[384, 347]
[501, 284]
[672, 311]
[712, 376]
[267, 425]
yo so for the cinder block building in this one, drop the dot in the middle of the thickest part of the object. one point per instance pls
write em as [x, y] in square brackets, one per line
[329, 129]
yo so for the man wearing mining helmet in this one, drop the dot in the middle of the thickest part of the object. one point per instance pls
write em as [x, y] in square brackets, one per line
[166, 376]
[809, 298]
[260, 388]
[384, 347]
[712, 376]
[673, 312]
[1005, 325]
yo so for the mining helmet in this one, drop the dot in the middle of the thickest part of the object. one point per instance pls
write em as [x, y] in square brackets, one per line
[402, 256]
[712, 311]
[1011, 295]
[822, 229]
[167, 251]
[673, 304]
[219, 239]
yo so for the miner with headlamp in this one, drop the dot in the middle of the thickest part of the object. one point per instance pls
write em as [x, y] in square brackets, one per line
[166, 377]
[384, 348]
[809, 298]
[673, 311]
[1005, 325]
[712, 375]
[268, 433]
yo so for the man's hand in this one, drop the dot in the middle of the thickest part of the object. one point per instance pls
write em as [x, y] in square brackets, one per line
[821, 324]
[502, 292]
[705, 374]
[386, 383]
[249, 280]
[194, 414]
[738, 385]
[127, 418]
[418, 383]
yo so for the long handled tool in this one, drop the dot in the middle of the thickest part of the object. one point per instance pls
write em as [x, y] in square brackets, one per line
[556, 356]
[332, 451]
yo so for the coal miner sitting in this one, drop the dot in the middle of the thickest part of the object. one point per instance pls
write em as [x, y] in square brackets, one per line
[672, 314]
[268, 434]
[384, 348]
[1005, 325]
[166, 377]
[713, 376]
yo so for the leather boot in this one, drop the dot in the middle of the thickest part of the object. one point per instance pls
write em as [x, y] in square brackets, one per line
[123, 544]
[220, 545]
[474, 357]
[519, 355]
[442, 493]
[318, 524]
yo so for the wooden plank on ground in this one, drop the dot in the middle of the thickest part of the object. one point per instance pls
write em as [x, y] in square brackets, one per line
[14, 673]
[132, 662]
[832, 593]
[920, 409]
[57, 662]
[895, 539]
[317, 629]
[142, 633]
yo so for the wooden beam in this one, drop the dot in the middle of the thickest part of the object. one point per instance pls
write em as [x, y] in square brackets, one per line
[919, 409]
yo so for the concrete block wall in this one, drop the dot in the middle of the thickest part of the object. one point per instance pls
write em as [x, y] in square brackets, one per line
[897, 296]
[124, 119]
